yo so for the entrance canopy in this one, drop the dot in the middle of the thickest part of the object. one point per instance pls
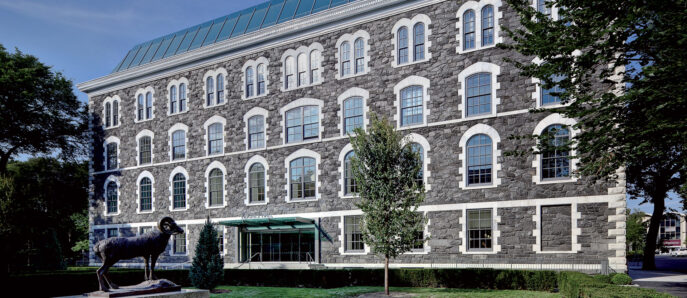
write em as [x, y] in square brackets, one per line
[283, 223]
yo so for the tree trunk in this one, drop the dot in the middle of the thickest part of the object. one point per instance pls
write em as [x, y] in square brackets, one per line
[649, 261]
[386, 275]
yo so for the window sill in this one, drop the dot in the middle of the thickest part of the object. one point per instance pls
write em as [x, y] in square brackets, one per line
[178, 209]
[339, 77]
[110, 127]
[460, 50]
[411, 126]
[395, 64]
[179, 255]
[479, 186]
[350, 196]
[556, 180]
[479, 252]
[144, 120]
[306, 141]
[215, 207]
[557, 252]
[214, 154]
[145, 212]
[112, 214]
[417, 252]
[215, 105]
[282, 89]
[177, 113]
[354, 253]
[301, 200]
[479, 116]
[254, 96]
[257, 203]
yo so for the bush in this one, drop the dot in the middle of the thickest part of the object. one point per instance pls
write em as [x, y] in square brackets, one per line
[575, 284]
[621, 279]
[207, 270]
[603, 278]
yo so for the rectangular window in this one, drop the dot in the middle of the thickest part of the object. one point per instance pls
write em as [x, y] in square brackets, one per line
[402, 45]
[411, 106]
[487, 25]
[179, 144]
[112, 233]
[145, 150]
[149, 105]
[143, 230]
[552, 96]
[215, 137]
[478, 94]
[111, 156]
[146, 195]
[353, 233]
[256, 132]
[180, 244]
[220, 238]
[353, 114]
[479, 229]
[302, 123]
[420, 238]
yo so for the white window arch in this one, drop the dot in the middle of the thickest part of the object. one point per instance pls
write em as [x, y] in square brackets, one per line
[112, 180]
[214, 87]
[555, 119]
[145, 104]
[414, 138]
[257, 159]
[213, 137]
[300, 72]
[303, 153]
[349, 94]
[400, 89]
[215, 165]
[359, 59]
[172, 145]
[174, 188]
[479, 68]
[302, 102]
[495, 152]
[259, 76]
[248, 117]
[412, 52]
[111, 112]
[139, 136]
[485, 23]
[145, 191]
[110, 161]
[177, 96]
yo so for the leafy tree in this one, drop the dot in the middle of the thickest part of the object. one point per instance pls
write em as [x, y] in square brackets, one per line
[621, 65]
[386, 174]
[80, 221]
[635, 230]
[207, 270]
[39, 113]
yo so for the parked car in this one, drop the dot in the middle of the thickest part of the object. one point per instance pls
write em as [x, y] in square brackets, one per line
[682, 252]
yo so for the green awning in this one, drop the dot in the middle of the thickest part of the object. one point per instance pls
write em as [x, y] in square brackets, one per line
[282, 223]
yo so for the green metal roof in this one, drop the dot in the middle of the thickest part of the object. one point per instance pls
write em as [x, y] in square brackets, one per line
[283, 223]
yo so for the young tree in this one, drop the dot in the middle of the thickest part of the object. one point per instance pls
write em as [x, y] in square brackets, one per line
[620, 68]
[207, 270]
[386, 175]
[635, 230]
[39, 113]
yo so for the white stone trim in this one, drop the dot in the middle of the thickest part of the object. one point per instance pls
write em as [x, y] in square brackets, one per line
[178, 170]
[351, 38]
[298, 103]
[112, 178]
[346, 149]
[213, 74]
[407, 82]
[144, 91]
[419, 139]
[496, 233]
[171, 241]
[111, 100]
[479, 67]
[575, 230]
[294, 53]
[318, 173]
[351, 92]
[342, 235]
[495, 155]
[215, 165]
[536, 162]
[255, 111]
[145, 133]
[618, 262]
[212, 120]
[246, 180]
[410, 23]
[111, 139]
[254, 64]
[477, 8]
[177, 83]
[170, 132]
[145, 174]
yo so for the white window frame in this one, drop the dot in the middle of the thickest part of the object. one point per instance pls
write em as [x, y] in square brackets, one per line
[298, 103]
[479, 67]
[255, 111]
[407, 82]
[145, 174]
[170, 132]
[478, 129]
[213, 74]
[575, 231]
[342, 172]
[477, 8]
[212, 120]
[178, 170]
[410, 24]
[144, 91]
[210, 167]
[342, 237]
[111, 100]
[318, 173]
[145, 133]
[171, 240]
[353, 92]
[223, 231]
[351, 38]
[495, 232]
[114, 179]
[426, 161]
[254, 64]
[111, 139]
[246, 180]
[536, 162]
[176, 83]
[294, 53]
[536, 95]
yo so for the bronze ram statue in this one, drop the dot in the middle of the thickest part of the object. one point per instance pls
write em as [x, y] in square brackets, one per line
[149, 246]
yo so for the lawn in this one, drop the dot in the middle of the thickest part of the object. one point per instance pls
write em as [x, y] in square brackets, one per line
[355, 291]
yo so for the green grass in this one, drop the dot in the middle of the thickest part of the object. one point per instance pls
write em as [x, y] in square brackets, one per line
[355, 291]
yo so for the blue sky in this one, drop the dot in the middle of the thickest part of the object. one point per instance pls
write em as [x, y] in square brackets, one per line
[86, 39]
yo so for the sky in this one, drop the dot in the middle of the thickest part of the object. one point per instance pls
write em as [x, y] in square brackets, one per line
[86, 39]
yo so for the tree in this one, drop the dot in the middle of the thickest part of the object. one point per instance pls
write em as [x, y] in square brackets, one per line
[386, 173]
[635, 230]
[620, 65]
[207, 270]
[39, 113]
[80, 221]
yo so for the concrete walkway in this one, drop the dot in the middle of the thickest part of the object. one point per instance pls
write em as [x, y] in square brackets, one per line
[674, 283]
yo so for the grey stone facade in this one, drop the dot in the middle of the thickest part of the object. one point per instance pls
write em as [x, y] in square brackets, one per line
[515, 200]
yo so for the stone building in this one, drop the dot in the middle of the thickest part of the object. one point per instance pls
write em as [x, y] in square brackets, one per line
[245, 119]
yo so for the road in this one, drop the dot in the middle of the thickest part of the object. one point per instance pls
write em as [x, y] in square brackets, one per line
[671, 276]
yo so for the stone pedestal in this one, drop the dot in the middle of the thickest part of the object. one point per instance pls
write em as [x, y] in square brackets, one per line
[160, 288]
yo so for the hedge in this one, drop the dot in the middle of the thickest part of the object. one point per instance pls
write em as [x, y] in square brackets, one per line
[575, 284]
[62, 283]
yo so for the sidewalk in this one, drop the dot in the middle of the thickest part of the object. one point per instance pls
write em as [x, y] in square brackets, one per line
[673, 283]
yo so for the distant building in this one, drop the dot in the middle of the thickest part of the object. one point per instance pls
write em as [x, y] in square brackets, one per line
[673, 231]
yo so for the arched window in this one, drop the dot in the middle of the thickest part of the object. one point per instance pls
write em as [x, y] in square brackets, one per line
[210, 88]
[144, 150]
[479, 160]
[302, 178]
[182, 97]
[256, 132]
[359, 54]
[261, 79]
[487, 25]
[115, 113]
[249, 82]
[179, 191]
[417, 148]
[350, 187]
[302, 123]
[140, 107]
[552, 96]
[149, 105]
[469, 30]
[290, 70]
[111, 155]
[108, 114]
[111, 196]
[419, 42]
[173, 99]
[256, 182]
[411, 105]
[314, 66]
[179, 144]
[345, 59]
[216, 185]
[220, 88]
[302, 69]
[215, 138]
[146, 194]
[478, 94]
[555, 158]
[353, 113]
[402, 45]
